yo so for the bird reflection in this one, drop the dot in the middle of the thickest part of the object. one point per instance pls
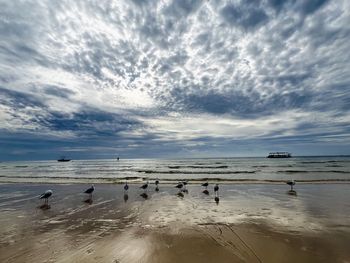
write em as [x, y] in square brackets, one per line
[144, 195]
[217, 200]
[44, 207]
[157, 189]
[292, 192]
[126, 197]
[180, 194]
[88, 201]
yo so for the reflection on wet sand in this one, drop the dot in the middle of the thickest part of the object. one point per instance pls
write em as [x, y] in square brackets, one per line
[217, 200]
[126, 197]
[144, 195]
[88, 201]
[253, 223]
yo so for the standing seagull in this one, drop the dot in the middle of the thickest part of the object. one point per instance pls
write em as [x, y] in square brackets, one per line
[157, 183]
[291, 191]
[205, 191]
[90, 190]
[126, 187]
[46, 196]
[205, 185]
[144, 186]
[291, 183]
[179, 185]
[184, 188]
[216, 189]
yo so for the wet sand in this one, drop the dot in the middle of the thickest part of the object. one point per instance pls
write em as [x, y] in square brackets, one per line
[251, 223]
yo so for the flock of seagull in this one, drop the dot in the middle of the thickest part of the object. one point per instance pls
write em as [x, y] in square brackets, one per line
[181, 186]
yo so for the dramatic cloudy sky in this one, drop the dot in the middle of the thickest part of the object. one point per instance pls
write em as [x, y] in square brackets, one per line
[96, 79]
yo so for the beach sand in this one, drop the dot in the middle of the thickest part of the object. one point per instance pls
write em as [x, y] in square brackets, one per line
[251, 223]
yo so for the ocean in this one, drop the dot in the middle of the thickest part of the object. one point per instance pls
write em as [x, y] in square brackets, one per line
[303, 169]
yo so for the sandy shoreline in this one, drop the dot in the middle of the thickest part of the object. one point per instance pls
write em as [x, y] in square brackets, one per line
[251, 223]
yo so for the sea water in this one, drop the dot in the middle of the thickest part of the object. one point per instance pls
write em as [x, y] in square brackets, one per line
[260, 169]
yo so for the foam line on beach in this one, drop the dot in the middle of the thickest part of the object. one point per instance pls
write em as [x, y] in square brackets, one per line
[195, 172]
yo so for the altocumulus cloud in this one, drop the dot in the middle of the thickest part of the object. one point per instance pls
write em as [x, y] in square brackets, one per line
[173, 78]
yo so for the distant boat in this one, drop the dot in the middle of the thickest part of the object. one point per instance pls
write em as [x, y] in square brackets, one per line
[279, 155]
[63, 159]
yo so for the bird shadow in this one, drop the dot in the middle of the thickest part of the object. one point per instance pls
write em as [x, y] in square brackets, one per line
[180, 194]
[206, 192]
[88, 201]
[44, 206]
[144, 195]
[292, 192]
[126, 197]
[217, 200]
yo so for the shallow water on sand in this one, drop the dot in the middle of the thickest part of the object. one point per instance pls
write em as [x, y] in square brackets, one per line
[248, 220]
[228, 169]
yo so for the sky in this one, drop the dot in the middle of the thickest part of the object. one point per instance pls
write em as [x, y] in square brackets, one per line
[170, 79]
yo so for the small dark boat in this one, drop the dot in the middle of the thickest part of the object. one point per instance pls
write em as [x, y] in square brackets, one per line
[63, 159]
[279, 155]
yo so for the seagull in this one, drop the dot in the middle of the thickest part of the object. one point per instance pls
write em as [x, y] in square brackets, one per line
[157, 183]
[126, 187]
[291, 183]
[46, 196]
[144, 186]
[205, 185]
[179, 185]
[90, 190]
[216, 188]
